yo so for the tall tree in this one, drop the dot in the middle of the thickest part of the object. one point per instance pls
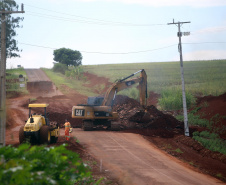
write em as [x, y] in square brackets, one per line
[68, 57]
[11, 24]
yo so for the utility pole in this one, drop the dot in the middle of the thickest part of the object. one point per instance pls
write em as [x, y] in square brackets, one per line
[3, 13]
[179, 34]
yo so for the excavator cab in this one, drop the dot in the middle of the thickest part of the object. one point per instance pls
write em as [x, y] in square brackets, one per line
[95, 101]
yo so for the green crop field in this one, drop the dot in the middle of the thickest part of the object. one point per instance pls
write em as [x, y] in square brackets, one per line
[201, 77]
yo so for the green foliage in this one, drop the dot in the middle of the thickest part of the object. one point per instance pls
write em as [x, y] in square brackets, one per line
[171, 99]
[194, 120]
[75, 73]
[60, 68]
[68, 57]
[11, 23]
[216, 124]
[211, 141]
[41, 165]
[15, 72]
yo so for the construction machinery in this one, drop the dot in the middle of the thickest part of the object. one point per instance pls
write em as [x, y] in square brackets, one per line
[98, 110]
[38, 129]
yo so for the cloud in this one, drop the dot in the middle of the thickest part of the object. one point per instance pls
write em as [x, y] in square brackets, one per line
[205, 55]
[158, 3]
[210, 30]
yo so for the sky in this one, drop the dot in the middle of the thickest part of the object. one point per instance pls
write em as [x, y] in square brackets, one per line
[120, 31]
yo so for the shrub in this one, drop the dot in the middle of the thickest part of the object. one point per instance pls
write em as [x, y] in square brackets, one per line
[171, 99]
[60, 68]
[75, 72]
[194, 120]
[211, 141]
[41, 165]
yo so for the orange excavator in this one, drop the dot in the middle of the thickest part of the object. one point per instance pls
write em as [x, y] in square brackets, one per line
[98, 110]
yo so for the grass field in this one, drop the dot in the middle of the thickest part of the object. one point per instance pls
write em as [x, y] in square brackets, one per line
[201, 77]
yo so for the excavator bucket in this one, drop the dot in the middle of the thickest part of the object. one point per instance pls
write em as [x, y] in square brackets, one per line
[146, 117]
[142, 116]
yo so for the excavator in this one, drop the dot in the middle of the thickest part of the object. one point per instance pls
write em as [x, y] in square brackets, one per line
[98, 110]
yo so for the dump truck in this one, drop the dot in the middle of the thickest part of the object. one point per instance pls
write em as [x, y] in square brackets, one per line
[98, 110]
[38, 128]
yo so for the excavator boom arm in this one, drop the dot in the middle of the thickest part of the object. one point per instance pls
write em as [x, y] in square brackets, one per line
[125, 83]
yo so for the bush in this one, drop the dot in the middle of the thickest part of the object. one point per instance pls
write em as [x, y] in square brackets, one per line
[211, 141]
[194, 120]
[41, 165]
[75, 72]
[60, 68]
[171, 99]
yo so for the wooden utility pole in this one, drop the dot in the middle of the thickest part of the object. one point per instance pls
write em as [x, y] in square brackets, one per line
[3, 13]
[179, 34]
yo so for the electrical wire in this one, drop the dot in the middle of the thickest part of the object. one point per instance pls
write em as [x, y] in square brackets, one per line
[93, 20]
[123, 53]
[108, 53]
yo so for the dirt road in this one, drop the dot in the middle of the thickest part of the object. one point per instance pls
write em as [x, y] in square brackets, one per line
[36, 75]
[133, 160]
[39, 83]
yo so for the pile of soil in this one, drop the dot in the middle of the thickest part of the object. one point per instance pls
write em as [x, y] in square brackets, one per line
[149, 121]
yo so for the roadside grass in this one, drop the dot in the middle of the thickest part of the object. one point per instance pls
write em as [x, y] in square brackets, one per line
[194, 120]
[61, 81]
[212, 141]
[16, 72]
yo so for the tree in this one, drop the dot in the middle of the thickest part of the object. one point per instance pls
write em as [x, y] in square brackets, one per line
[68, 57]
[11, 24]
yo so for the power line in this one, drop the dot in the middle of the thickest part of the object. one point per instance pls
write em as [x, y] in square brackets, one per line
[70, 20]
[93, 20]
[123, 53]
[108, 53]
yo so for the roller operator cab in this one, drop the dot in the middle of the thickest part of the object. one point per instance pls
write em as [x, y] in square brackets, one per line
[98, 110]
[37, 128]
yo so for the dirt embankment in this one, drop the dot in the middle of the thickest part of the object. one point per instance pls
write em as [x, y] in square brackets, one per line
[213, 109]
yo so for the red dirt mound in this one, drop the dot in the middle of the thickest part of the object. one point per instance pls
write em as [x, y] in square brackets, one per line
[153, 98]
[213, 109]
[101, 83]
[131, 116]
